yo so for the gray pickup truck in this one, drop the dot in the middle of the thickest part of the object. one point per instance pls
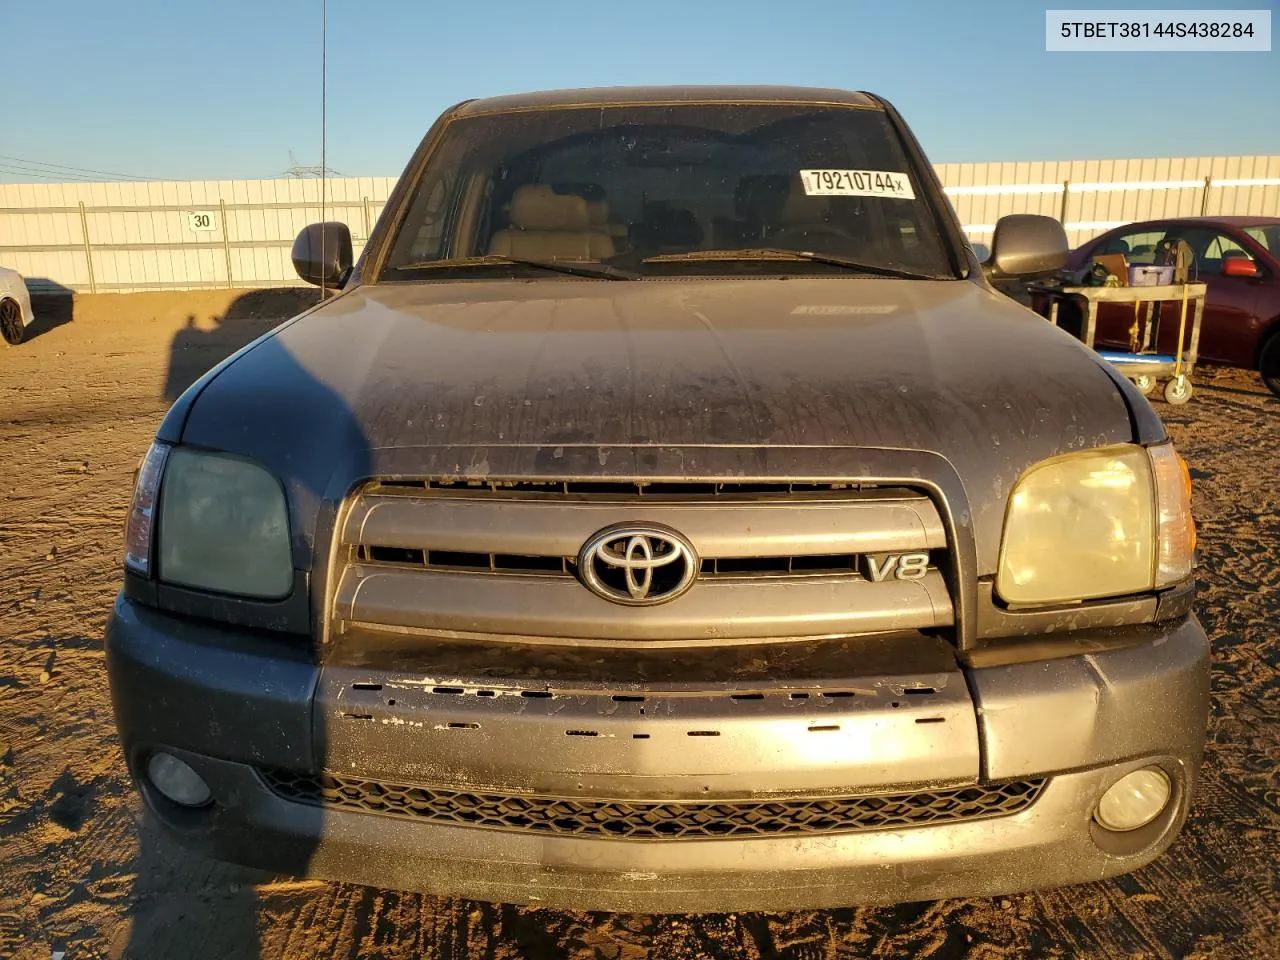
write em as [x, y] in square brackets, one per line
[666, 515]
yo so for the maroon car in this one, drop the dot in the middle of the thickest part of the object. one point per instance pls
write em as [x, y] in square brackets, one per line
[1237, 257]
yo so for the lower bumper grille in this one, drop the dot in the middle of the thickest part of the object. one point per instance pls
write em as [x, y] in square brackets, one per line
[630, 820]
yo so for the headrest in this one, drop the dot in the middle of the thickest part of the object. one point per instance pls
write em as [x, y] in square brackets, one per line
[538, 207]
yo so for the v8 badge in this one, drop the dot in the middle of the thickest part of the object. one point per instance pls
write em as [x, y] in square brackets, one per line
[878, 567]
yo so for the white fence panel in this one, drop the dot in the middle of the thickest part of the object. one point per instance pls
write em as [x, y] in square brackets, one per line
[140, 236]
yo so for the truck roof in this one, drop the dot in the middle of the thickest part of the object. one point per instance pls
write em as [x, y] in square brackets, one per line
[615, 96]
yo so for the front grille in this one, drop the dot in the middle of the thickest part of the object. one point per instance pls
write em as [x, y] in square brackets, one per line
[632, 820]
[776, 559]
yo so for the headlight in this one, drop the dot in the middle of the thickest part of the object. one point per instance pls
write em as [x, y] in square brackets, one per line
[1098, 523]
[222, 524]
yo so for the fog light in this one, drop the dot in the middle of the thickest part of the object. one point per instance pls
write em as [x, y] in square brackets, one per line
[177, 781]
[1135, 800]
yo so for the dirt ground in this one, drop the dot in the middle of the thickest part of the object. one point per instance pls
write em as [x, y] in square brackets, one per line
[81, 873]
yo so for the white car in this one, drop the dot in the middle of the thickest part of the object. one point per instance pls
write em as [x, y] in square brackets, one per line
[15, 306]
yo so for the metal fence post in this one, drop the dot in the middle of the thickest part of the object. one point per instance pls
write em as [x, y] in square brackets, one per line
[226, 238]
[1062, 211]
[88, 251]
[367, 228]
[1204, 198]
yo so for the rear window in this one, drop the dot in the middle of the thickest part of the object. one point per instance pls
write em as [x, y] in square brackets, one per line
[621, 184]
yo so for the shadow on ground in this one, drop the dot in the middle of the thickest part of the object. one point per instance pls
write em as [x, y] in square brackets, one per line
[52, 305]
[198, 347]
[184, 904]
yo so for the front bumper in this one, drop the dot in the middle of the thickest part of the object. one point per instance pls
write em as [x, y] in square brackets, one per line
[232, 707]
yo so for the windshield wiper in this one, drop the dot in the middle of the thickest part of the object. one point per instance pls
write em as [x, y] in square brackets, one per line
[777, 253]
[575, 268]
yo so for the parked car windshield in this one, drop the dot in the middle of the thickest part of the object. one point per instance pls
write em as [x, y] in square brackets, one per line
[662, 190]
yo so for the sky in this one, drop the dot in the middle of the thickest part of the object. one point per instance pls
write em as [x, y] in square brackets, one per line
[218, 89]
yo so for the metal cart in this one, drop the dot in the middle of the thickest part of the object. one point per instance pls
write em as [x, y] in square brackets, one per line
[1144, 366]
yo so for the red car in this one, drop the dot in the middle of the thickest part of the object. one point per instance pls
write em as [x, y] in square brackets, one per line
[1237, 257]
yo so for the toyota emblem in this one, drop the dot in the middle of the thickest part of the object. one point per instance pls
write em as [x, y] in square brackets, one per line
[639, 564]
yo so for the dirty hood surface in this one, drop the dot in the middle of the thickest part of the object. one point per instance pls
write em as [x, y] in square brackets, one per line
[939, 366]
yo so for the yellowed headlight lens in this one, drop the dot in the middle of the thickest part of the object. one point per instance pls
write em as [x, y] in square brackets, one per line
[1100, 523]
[1080, 526]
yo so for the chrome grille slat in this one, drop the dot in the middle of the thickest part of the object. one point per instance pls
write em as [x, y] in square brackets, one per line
[763, 528]
[637, 820]
[716, 608]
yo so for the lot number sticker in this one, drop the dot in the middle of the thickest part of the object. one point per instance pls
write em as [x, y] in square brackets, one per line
[202, 220]
[856, 183]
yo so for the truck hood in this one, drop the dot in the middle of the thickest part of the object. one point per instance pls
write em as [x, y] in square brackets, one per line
[432, 378]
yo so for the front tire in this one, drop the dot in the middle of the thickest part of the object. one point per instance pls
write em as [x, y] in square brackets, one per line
[1269, 363]
[12, 329]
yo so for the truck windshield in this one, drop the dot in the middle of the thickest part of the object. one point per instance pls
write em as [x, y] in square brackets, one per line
[638, 187]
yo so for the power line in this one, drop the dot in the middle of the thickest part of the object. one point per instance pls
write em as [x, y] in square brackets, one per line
[61, 177]
[72, 169]
[301, 170]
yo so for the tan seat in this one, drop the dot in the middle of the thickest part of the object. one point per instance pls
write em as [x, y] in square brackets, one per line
[546, 225]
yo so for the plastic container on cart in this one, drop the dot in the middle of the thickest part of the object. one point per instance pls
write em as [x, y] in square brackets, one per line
[1145, 275]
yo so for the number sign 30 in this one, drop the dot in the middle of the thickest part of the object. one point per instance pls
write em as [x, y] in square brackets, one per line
[202, 220]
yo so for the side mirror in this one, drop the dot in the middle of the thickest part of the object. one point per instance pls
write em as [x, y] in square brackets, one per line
[322, 253]
[1026, 245]
[1239, 267]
